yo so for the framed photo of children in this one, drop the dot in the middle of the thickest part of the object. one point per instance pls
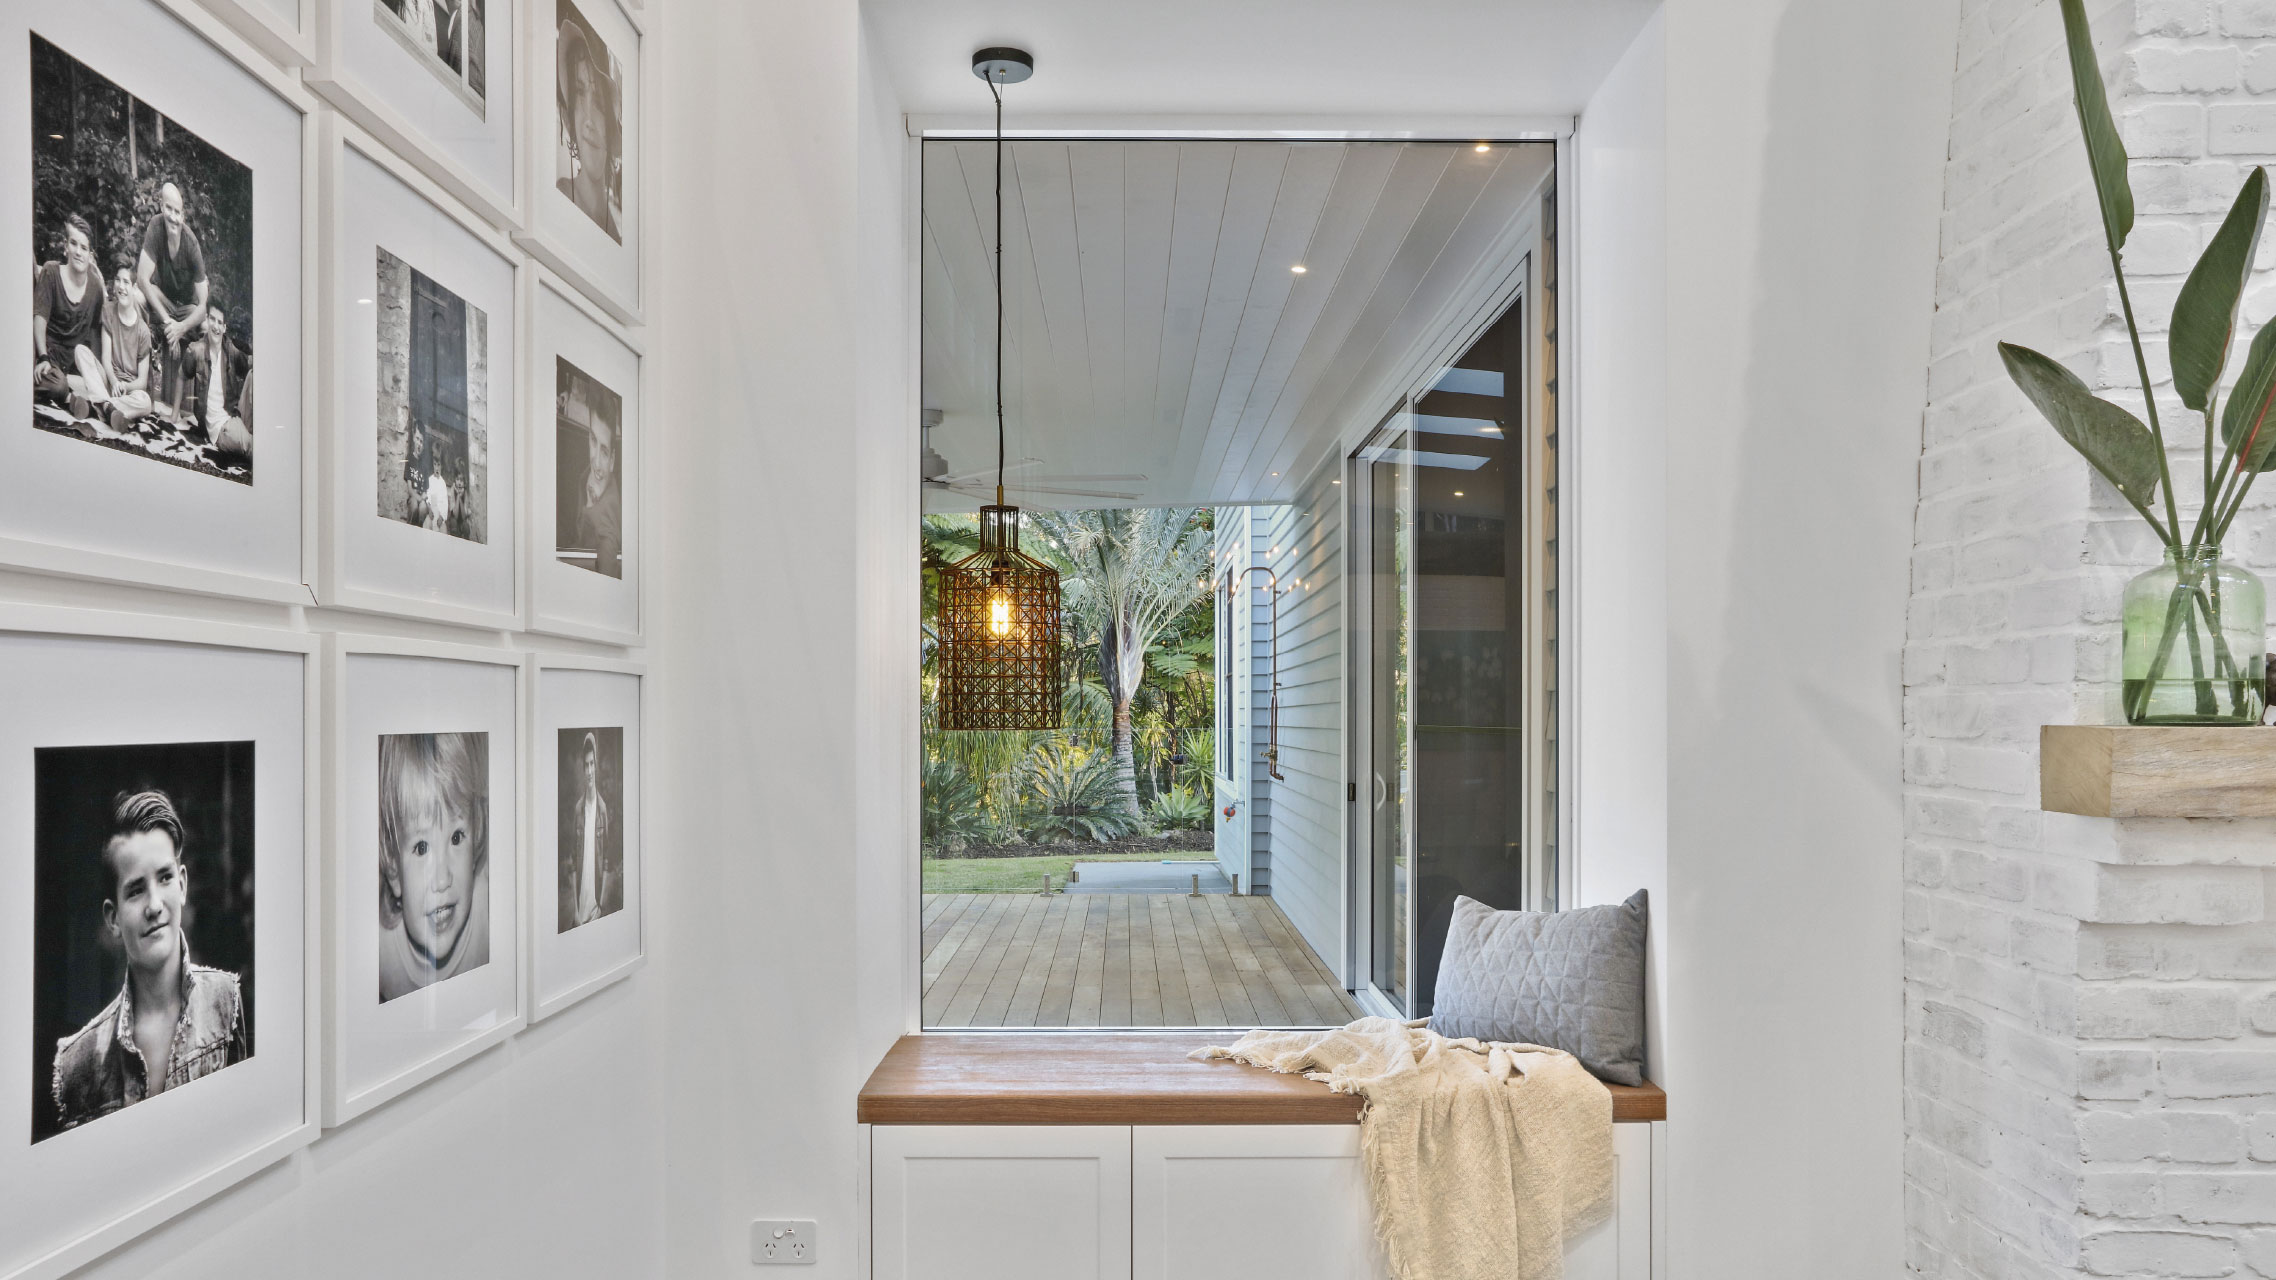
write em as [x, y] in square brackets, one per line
[435, 81]
[423, 965]
[586, 459]
[420, 382]
[584, 157]
[157, 903]
[159, 436]
[585, 887]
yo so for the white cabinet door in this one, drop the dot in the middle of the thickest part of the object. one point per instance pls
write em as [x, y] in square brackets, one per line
[1620, 1249]
[1243, 1201]
[998, 1202]
[1233, 1202]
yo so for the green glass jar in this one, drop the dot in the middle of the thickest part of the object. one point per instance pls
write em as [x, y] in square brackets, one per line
[2196, 635]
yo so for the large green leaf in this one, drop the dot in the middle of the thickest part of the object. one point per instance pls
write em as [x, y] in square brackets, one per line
[2104, 150]
[2245, 425]
[2204, 316]
[2113, 440]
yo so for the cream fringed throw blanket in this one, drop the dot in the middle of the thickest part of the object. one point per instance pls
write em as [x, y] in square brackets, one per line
[1481, 1158]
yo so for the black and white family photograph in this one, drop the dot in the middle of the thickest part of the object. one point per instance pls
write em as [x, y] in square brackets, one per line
[142, 316]
[434, 398]
[590, 805]
[588, 91]
[434, 859]
[449, 36]
[142, 896]
[588, 485]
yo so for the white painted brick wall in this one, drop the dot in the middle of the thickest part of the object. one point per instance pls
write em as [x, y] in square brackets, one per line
[2090, 1058]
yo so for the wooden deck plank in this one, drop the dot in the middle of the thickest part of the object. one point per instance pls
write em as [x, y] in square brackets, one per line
[1294, 1002]
[1090, 967]
[1145, 983]
[997, 998]
[1330, 1003]
[966, 1001]
[1121, 960]
[1232, 993]
[1027, 997]
[1200, 983]
[965, 943]
[1059, 989]
[1114, 1008]
[959, 924]
[1169, 966]
[1246, 965]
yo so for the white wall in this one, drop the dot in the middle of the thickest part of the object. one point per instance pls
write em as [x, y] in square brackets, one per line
[1805, 145]
[789, 601]
[1614, 433]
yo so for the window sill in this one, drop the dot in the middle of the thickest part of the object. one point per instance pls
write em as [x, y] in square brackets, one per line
[1112, 1078]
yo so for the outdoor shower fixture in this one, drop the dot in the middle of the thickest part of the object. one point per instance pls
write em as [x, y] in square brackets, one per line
[1272, 749]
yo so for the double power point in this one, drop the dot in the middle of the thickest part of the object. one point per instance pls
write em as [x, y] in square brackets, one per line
[782, 1242]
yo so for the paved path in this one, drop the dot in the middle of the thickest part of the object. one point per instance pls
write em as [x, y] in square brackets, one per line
[1121, 960]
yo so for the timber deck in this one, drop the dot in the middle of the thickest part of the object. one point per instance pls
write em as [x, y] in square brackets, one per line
[1122, 960]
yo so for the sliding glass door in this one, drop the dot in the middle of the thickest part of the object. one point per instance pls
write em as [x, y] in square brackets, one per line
[1385, 595]
[1451, 660]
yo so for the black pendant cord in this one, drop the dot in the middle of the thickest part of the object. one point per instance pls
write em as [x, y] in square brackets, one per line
[997, 93]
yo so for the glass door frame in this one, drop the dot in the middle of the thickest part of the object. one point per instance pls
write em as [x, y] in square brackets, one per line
[1359, 600]
[1543, 885]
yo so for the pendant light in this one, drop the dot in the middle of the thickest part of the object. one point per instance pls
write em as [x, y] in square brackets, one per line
[999, 607]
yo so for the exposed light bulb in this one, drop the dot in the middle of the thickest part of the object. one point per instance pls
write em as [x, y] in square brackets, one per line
[999, 613]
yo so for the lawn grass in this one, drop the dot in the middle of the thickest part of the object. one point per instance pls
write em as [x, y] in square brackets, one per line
[1023, 875]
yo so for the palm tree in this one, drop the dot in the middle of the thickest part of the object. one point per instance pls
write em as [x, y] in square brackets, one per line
[1133, 571]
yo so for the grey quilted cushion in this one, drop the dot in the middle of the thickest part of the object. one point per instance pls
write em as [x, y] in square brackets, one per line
[1571, 980]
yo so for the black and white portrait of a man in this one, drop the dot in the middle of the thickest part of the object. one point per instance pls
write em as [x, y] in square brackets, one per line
[143, 895]
[588, 480]
[590, 814]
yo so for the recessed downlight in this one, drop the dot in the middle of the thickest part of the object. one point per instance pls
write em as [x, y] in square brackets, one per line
[1484, 146]
[1298, 269]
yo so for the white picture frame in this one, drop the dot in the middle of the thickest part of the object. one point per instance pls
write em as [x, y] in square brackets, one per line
[283, 29]
[471, 575]
[78, 677]
[72, 509]
[565, 598]
[574, 694]
[602, 258]
[378, 1049]
[371, 67]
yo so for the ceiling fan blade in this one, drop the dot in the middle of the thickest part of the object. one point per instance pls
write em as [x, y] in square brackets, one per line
[1071, 493]
[1091, 479]
[987, 472]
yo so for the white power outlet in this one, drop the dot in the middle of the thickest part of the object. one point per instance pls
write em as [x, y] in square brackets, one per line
[782, 1242]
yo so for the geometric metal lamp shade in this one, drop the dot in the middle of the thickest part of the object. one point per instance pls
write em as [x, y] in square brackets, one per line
[999, 633]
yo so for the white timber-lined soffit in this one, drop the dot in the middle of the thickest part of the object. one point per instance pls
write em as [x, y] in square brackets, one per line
[1155, 325]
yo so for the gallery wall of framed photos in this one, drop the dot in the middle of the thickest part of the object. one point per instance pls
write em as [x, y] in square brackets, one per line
[323, 564]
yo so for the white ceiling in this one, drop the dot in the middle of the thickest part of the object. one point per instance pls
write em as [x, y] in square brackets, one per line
[1272, 57]
[1153, 325]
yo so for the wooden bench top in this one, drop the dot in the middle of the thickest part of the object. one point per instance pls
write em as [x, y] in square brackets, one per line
[1112, 1078]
